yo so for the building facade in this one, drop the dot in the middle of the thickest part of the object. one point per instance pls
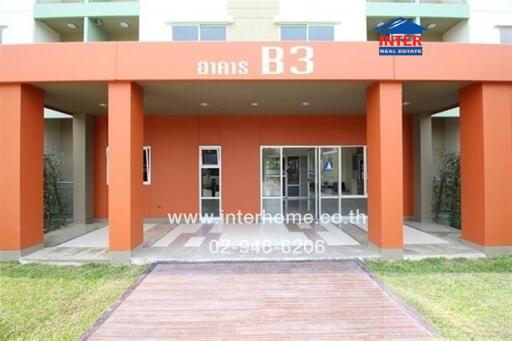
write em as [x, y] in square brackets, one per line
[215, 106]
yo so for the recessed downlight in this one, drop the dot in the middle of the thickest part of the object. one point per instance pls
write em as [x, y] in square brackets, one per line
[204, 104]
[124, 24]
[431, 26]
[406, 103]
[71, 26]
[103, 105]
[255, 104]
[305, 104]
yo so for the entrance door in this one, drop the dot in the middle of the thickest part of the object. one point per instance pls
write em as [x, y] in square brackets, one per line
[322, 181]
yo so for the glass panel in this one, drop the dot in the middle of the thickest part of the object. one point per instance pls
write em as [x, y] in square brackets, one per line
[321, 33]
[506, 34]
[145, 165]
[353, 205]
[352, 174]
[213, 33]
[209, 157]
[330, 206]
[311, 182]
[293, 191]
[292, 171]
[296, 32]
[271, 163]
[185, 33]
[272, 206]
[209, 182]
[329, 172]
[210, 207]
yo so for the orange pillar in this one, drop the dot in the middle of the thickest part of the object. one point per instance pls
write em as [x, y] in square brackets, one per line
[21, 169]
[486, 166]
[125, 191]
[385, 170]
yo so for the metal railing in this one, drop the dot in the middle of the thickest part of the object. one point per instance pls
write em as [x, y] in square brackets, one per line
[448, 2]
[78, 1]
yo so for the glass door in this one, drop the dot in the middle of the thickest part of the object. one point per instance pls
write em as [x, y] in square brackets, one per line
[272, 180]
[312, 181]
[329, 180]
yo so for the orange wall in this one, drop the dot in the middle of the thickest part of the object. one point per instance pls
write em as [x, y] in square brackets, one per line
[174, 143]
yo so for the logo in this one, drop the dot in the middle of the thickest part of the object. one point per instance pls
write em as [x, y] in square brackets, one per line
[400, 37]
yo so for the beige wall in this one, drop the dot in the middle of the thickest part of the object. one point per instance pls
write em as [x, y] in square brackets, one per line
[58, 138]
[445, 137]
[253, 20]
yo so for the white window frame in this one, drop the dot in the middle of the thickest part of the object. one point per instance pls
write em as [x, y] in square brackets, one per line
[146, 149]
[198, 26]
[217, 166]
[307, 30]
[318, 155]
[147, 154]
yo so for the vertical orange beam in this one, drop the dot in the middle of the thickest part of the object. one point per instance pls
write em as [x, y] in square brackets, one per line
[486, 165]
[21, 169]
[385, 166]
[125, 190]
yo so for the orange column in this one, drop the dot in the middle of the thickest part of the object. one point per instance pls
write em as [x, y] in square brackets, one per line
[486, 165]
[385, 171]
[125, 191]
[21, 169]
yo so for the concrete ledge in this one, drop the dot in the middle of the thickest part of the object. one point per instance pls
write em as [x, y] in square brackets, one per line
[490, 251]
[392, 254]
[10, 255]
[122, 257]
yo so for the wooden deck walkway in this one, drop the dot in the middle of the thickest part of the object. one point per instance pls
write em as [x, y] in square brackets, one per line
[259, 301]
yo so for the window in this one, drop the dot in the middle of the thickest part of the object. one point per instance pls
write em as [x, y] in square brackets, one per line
[307, 32]
[146, 165]
[199, 32]
[506, 34]
[210, 181]
[185, 33]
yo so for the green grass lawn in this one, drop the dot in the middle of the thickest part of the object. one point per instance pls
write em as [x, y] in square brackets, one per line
[464, 299]
[41, 302]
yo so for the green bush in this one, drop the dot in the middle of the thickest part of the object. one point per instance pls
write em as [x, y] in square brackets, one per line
[446, 189]
[54, 208]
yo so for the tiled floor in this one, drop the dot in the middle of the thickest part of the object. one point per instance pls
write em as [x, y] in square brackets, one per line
[260, 301]
[214, 242]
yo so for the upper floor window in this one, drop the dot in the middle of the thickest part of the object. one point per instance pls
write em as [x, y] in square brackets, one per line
[199, 32]
[307, 32]
[506, 34]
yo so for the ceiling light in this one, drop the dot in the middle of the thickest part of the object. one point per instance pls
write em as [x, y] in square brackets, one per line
[406, 103]
[204, 104]
[71, 25]
[103, 105]
[431, 26]
[305, 104]
[255, 104]
[123, 24]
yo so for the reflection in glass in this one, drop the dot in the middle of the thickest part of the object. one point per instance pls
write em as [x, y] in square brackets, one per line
[271, 172]
[210, 207]
[210, 182]
[354, 205]
[209, 157]
[272, 206]
[330, 206]
[329, 172]
[352, 160]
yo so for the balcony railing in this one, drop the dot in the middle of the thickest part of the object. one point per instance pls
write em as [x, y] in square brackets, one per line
[78, 1]
[451, 2]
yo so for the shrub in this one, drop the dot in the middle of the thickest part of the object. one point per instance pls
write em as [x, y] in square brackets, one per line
[446, 189]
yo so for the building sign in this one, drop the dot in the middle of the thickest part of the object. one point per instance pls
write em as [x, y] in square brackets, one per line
[400, 37]
[275, 60]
